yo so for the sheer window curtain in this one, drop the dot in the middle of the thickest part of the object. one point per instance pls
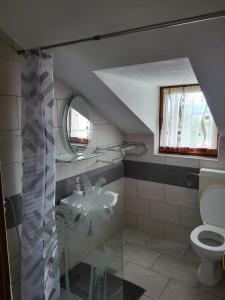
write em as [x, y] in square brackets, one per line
[187, 121]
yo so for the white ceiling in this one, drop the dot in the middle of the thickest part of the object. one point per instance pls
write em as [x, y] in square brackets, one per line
[160, 73]
[35, 23]
[38, 22]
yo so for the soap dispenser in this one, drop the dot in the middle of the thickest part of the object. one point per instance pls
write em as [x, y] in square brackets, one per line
[77, 189]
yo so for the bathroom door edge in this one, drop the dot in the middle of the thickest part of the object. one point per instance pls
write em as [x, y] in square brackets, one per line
[4, 262]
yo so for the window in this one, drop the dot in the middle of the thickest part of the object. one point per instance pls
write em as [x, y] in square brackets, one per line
[78, 127]
[186, 124]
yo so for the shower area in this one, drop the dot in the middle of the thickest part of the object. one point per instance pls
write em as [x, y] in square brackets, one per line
[76, 235]
[66, 219]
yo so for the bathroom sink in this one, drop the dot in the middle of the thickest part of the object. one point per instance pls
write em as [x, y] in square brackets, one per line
[75, 201]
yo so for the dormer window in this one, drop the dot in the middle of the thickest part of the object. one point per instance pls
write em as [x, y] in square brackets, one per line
[186, 123]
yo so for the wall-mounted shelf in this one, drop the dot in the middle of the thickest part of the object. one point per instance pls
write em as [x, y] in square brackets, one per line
[70, 158]
[123, 149]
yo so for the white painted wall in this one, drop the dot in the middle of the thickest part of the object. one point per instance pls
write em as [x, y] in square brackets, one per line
[138, 86]
[138, 96]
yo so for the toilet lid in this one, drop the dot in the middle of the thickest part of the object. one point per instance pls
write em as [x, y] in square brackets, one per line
[212, 206]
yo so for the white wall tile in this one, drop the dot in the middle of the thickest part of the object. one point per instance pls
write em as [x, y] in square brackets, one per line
[59, 147]
[150, 157]
[12, 179]
[177, 233]
[93, 139]
[182, 161]
[96, 118]
[55, 114]
[130, 186]
[222, 143]
[150, 190]
[6, 50]
[8, 113]
[19, 105]
[108, 135]
[136, 205]
[150, 225]
[97, 162]
[181, 196]
[72, 169]
[115, 186]
[164, 212]
[130, 220]
[131, 154]
[10, 77]
[14, 265]
[190, 217]
[139, 138]
[60, 107]
[58, 175]
[61, 91]
[10, 146]
[13, 244]
[15, 291]
[215, 164]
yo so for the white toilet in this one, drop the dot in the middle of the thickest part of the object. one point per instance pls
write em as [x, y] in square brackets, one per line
[208, 240]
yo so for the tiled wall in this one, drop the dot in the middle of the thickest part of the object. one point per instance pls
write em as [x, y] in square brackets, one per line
[10, 141]
[104, 134]
[163, 209]
[155, 197]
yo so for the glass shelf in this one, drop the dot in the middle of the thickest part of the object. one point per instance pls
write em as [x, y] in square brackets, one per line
[71, 158]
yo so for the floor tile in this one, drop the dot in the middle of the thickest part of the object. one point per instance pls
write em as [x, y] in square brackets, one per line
[176, 269]
[191, 256]
[219, 290]
[145, 298]
[64, 295]
[167, 247]
[118, 264]
[178, 291]
[152, 282]
[142, 256]
[135, 237]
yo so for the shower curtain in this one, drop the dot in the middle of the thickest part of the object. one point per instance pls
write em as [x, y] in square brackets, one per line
[38, 174]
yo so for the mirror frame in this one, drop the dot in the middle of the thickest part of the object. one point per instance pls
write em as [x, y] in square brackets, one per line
[78, 150]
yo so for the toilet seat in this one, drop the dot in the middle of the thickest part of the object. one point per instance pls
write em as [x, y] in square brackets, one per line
[208, 240]
[213, 229]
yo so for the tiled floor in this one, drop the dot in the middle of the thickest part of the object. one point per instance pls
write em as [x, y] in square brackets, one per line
[165, 269]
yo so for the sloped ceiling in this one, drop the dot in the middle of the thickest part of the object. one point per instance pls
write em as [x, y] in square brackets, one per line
[138, 86]
[35, 23]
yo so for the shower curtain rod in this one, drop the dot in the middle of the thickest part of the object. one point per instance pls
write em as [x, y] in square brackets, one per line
[177, 22]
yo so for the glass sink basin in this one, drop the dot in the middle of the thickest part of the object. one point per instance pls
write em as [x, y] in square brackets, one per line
[75, 201]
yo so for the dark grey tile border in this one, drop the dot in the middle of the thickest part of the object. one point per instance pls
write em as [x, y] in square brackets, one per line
[136, 170]
[16, 201]
[64, 188]
[172, 175]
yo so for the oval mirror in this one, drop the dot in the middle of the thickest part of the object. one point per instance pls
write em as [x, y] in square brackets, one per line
[76, 127]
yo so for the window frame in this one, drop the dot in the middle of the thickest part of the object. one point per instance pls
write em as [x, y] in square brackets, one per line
[204, 152]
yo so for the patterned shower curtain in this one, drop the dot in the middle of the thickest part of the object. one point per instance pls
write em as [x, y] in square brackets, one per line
[38, 174]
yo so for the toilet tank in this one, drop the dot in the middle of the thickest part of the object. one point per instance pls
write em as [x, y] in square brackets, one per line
[209, 177]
